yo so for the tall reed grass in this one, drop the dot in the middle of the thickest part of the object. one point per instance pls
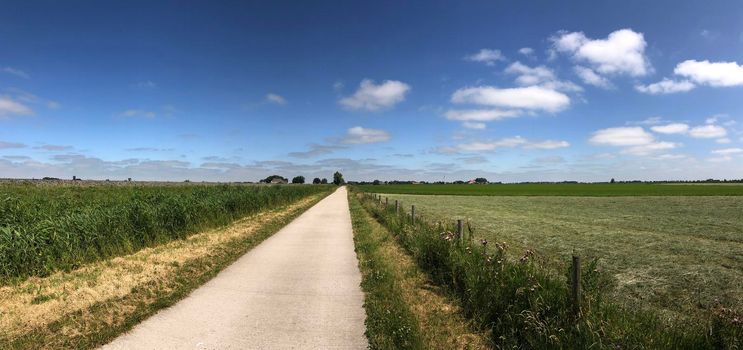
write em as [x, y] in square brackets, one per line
[528, 307]
[48, 228]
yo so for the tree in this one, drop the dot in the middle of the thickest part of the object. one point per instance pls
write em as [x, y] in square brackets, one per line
[272, 177]
[338, 179]
[316, 181]
[481, 180]
[298, 179]
[324, 181]
[612, 180]
[376, 182]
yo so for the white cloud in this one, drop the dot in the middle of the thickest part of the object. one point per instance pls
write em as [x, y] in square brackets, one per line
[532, 97]
[673, 128]
[622, 136]
[526, 51]
[275, 99]
[723, 140]
[591, 78]
[665, 86]
[10, 107]
[487, 56]
[358, 135]
[708, 131]
[530, 76]
[510, 142]
[643, 150]
[622, 52]
[540, 75]
[474, 125]
[17, 72]
[373, 97]
[728, 151]
[549, 144]
[711, 73]
[137, 113]
[480, 115]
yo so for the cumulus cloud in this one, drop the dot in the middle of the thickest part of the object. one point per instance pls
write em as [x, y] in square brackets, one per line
[374, 97]
[673, 128]
[358, 135]
[10, 107]
[711, 73]
[635, 139]
[275, 99]
[487, 56]
[622, 52]
[480, 115]
[708, 131]
[530, 98]
[622, 136]
[540, 75]
[54, 147]
[591, 78]
[665, 86]
[527, 51]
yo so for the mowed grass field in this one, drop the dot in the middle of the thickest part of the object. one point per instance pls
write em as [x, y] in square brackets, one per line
[678, 255]
[566, 189]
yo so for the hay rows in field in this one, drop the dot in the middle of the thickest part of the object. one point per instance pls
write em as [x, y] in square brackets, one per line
[44, 229]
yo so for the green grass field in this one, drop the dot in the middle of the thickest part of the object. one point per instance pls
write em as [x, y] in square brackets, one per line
[678, 255]
[591, 190]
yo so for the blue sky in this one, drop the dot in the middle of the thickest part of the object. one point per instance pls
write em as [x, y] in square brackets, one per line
[236, 91]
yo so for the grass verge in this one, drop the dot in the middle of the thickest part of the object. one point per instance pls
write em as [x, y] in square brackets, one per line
[113, 296]
[404, 310]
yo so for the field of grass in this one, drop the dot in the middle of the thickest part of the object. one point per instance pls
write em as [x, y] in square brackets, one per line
[524, 299]
[46, 228]
[679, 255]
[563, 189]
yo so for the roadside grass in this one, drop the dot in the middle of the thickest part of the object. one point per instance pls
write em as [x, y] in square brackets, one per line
[46, 228]
[562, 189]
[678, 256]
[90, 306]
[404, 310]
[527, 306]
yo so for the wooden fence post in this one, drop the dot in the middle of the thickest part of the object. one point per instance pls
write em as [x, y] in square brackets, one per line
[460, 230]
[575, 286]
[397, 207]
[386, 201]
[412, 214]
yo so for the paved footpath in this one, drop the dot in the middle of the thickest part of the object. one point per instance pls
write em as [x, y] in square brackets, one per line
[299, 289]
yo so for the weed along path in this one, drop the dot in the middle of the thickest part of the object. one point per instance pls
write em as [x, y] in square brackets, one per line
[299, 289]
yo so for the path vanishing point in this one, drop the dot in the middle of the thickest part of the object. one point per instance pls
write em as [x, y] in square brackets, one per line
[299, 289]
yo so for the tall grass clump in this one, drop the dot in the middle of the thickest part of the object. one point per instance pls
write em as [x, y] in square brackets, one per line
[528, 307]
[48, 228]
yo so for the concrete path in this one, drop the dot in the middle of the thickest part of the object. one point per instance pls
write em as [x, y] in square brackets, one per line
[299, 289]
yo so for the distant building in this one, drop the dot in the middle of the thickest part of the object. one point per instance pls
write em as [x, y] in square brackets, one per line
[278, 180]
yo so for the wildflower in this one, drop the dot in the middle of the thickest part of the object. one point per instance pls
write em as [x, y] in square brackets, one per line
[526, 256]
[484, 242]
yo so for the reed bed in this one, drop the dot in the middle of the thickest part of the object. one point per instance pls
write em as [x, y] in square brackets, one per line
[49, 228]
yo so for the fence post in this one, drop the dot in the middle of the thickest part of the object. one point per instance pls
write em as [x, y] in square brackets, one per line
[575, 286]
[386, 201]
[397, 207]
[460, 230]
[412, 214]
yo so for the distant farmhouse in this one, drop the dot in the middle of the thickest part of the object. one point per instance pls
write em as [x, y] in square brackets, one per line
[278, 180]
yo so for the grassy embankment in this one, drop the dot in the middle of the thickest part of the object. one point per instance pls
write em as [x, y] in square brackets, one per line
[404, 310]
[563, 189]
[90, 305]
[526, 305]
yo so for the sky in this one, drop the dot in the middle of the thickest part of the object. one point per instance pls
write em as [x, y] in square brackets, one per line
[407, 90]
